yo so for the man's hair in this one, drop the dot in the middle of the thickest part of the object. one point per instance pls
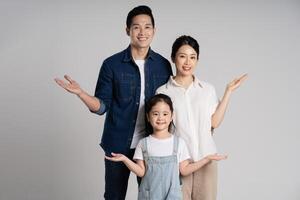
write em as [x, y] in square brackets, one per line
[139, 10]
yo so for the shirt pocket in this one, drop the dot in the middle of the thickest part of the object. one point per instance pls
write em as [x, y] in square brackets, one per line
[126, 86]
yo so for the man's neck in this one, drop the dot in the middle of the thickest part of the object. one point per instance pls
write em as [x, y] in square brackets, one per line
[139, 53]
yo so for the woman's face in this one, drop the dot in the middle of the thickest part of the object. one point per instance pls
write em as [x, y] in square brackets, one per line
[185, 61]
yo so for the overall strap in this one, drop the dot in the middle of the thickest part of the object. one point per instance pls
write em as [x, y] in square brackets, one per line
[175, 144]
[144, 147]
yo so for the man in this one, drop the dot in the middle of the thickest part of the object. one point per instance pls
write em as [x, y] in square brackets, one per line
[126, 80]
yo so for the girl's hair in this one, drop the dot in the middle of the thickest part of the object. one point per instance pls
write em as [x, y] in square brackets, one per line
[184, 40]
[152, 102]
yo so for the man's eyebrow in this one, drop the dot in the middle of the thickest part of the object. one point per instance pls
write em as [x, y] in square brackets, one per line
[145, 24]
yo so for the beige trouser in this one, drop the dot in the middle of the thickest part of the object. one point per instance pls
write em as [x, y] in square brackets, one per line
[202, 184]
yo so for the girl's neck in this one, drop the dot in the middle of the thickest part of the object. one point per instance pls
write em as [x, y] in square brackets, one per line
[161, 134]
[184, 81]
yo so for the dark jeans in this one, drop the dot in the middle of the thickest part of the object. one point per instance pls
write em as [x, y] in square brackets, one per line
[116, 179]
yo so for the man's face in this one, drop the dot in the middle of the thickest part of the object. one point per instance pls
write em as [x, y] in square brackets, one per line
[141, 31]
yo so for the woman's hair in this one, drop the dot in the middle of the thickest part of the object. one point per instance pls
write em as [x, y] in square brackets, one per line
[184, 40]
[152, 102]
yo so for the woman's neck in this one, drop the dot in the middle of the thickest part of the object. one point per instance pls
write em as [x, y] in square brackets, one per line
[184, 81]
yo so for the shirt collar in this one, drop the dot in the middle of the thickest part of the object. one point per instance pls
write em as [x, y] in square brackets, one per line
[128, 55]
[195, 83]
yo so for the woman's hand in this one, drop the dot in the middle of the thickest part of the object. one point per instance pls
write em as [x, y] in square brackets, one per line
[236, 83]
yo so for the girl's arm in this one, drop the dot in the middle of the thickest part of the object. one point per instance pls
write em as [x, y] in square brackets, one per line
[218, 116]
[138, 168]
[186, 168]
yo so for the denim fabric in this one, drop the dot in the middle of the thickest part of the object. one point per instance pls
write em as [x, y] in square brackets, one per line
[161, 181]
[118, 89]
[116, 179]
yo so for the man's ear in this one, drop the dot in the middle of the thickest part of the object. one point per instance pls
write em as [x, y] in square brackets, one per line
[127, 31]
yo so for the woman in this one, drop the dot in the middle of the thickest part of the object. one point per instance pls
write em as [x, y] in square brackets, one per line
[197, 112]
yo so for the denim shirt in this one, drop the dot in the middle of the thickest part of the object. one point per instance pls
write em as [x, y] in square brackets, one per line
[118, 89]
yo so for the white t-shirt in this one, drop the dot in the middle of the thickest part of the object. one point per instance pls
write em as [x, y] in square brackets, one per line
[193, 108]
[139, 130]
[162, 147]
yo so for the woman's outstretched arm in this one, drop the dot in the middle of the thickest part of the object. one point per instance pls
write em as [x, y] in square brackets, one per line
[218, 116]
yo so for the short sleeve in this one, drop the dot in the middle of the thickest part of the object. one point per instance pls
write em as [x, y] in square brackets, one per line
[138, 154]
[214, 101]
[183, 152]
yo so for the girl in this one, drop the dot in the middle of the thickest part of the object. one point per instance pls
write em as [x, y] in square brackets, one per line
[161, 156]
[200, 112]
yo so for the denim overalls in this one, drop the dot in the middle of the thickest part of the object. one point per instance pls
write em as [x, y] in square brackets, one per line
[161, 181]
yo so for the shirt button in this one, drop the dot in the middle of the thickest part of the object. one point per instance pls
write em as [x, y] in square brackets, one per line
[137, 103]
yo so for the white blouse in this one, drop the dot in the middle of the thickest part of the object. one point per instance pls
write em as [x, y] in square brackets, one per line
[193, 109]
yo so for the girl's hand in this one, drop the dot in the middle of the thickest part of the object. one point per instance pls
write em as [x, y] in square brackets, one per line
[116, 157]
[71, 86]
[236, 83]
[216, 157]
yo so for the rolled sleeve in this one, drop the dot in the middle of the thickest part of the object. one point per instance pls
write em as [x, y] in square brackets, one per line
[102, 108]
[104, 88]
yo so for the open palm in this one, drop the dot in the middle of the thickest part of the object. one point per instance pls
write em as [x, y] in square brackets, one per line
[70, 85]
[236, 82]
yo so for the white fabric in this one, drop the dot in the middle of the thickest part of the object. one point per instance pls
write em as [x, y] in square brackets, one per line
[193, 108]
[139, 130]
[162, 147]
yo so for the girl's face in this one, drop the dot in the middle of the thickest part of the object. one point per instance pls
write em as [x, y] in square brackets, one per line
[185, 61]
[160, 116]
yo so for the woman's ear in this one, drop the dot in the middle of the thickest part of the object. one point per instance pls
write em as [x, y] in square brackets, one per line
[127, 31]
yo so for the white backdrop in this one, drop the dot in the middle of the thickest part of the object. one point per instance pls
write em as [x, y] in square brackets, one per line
[49, 140]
